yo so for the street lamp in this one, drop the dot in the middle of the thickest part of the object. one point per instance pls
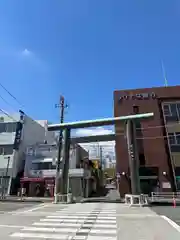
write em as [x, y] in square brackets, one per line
[164, 173]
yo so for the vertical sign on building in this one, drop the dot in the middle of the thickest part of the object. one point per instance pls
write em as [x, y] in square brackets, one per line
[19, 128]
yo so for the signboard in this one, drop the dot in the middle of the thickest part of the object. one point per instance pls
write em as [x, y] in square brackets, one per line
[52, 173]
[166, 185]
[139, 96]
[18, 135]
[95, 163]
[19, 131]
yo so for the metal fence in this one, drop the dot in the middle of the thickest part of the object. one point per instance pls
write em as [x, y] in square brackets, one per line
[164, 196]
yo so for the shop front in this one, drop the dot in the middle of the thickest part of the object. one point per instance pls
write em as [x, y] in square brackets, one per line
[38, 187]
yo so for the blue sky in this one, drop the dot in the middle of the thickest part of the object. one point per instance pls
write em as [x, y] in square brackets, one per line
[85, 49]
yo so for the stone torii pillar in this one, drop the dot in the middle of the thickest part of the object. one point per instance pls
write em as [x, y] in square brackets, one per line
[133, 157]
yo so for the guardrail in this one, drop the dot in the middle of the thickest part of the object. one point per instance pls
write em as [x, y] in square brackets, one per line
[64, 198]
[164, 196]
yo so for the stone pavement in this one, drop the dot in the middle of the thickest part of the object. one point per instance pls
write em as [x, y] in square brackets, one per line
[90, 221]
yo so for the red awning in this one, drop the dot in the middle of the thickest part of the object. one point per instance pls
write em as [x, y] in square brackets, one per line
[32, 179]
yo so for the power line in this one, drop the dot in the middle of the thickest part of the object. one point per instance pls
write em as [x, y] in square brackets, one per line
[11, 95]
[8, 115]
[8, 103]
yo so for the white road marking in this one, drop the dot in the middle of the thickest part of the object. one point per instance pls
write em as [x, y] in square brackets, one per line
[64, 224]
[105, 221]
[54, 224]
[172, 223]
[62, 220]
[39, 235]
[99, 238]
[37, 208]
[55, 230]
[95, 225]
[96, 231]
[11, 226]
[104, 217]
[69, 217]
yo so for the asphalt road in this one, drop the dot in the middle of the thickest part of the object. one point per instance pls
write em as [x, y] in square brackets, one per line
[168, 211]
[13, 206]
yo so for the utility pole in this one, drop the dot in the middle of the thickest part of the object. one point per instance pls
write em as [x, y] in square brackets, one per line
[101, 157]
[62, 106]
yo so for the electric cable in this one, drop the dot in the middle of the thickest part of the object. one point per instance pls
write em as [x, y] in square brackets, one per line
[11, 95]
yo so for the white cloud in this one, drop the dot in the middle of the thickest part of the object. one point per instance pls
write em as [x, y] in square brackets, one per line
[93, 131]
[93, 148]
[32, 59]
[26, 52]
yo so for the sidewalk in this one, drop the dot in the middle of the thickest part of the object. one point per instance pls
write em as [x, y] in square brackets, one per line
[27, 199]
[141, 223]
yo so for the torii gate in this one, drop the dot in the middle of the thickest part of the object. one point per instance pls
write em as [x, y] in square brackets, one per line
[131, 142]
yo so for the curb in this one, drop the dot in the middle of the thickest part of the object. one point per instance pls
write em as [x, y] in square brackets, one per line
[25, 200]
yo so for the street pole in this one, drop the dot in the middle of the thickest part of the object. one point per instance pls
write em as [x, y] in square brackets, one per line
[101, 157]
[7, 167]
[5, 178]
[62, 107]
[65, 170]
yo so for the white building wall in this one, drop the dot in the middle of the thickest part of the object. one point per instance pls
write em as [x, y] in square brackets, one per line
[76, 154]
[7, 138]
[32, 132]
[49, 136]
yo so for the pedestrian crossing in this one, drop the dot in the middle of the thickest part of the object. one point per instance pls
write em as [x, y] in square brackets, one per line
[97, 223]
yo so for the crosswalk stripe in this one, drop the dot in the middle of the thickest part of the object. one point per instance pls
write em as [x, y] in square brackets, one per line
[69, 230]
[80, 213]
[42, 236]
[62, 224]
[61, 220]
[66, 225]
[69, 217]
[57, 230]
[99, 238]
[82, 217]
[97, 231]
[107, 217]
[77, 220]
[99, 224]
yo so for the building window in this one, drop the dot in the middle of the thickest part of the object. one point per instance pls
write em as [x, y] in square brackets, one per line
[6, 150]
[11, 127]
[43, 166]
[178, 138]
[2, 127]
[172, 110]
[136, 109]
[167, 111]
[174, 141]
[8, 127]
[174, 138]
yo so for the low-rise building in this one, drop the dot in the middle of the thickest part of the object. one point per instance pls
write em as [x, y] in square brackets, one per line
[16, 133]
[40, 169]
